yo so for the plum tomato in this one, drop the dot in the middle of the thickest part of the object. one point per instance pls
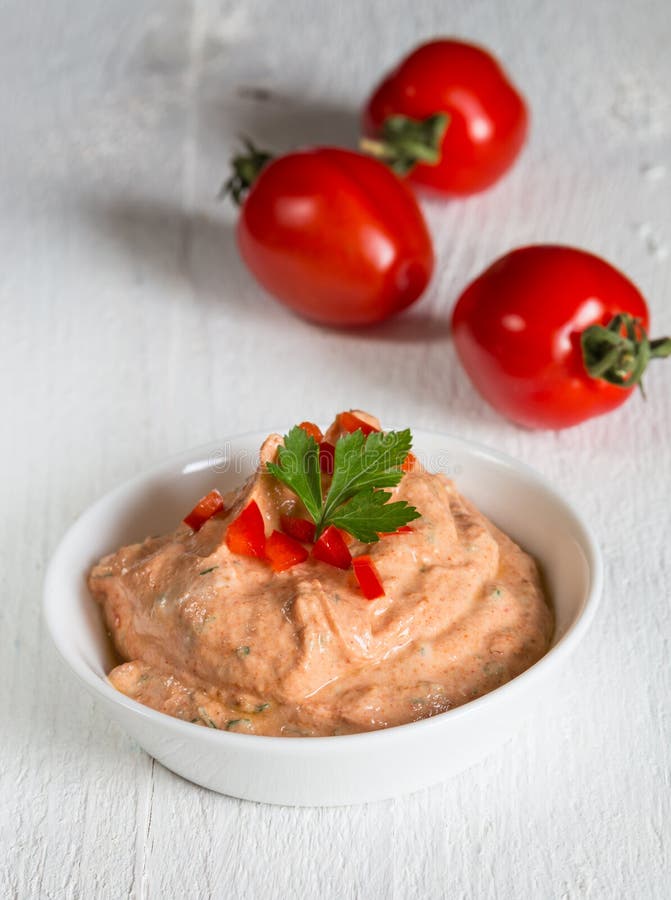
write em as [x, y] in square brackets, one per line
[551, 336]
[484, 124]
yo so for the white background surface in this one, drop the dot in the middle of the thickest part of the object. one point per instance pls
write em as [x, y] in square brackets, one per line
[130, 331]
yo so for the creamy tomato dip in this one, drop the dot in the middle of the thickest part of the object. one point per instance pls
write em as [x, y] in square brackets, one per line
[222, 640]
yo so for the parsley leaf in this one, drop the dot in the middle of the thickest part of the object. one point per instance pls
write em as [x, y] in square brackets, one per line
[365, 462]
[369, 513]
[298, 467]
[362, 466]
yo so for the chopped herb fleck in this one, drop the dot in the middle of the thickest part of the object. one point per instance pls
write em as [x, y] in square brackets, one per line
[105, 575]
[233, 722]
[422, 651]
[205, 718]
[207, 571]
[496, 592]
[261, 707]
[417, 701]
[242, 651]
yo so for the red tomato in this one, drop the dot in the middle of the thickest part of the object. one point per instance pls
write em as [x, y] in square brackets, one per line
[488, 117]
[409, 463]
[350, 422]
[283, 552]
[335, 236]
[331, 548]
[207, 506]
[246, 533]
[314, 431]
[326, 457]
[368, 577]
[518, 332]
[300, 529]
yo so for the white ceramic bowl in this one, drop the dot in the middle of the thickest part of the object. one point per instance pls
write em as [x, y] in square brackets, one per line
[324, 770]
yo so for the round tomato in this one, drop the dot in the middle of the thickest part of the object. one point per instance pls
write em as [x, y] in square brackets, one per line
[487, 117]
[334, 235]
[552, 336]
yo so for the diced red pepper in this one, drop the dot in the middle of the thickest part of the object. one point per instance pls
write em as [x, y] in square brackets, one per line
[368, 577]
[403, 529]
[246, 533]
[301, 529]
[332, 549]
[350, 422]
[207, 506]
[409, 463]
[313, 430]
[326, 457]
[283, 551]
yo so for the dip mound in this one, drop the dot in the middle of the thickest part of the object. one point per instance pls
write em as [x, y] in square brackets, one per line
[223, 640]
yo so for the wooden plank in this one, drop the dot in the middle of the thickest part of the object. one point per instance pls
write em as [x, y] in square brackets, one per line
[131, 330]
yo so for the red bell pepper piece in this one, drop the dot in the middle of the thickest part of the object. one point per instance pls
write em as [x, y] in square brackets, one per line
[326, 457]
[409, 463]
[207, 506]
[332, 549]
[368, 577]
[313, 430]
[403, 529]
[283, 551]
[351, 423]
[246, 533]
[300, 529]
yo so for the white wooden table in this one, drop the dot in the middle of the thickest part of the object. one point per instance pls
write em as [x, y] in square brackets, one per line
[130, 330]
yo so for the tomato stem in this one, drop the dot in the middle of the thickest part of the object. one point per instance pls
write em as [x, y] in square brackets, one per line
[660, 348]
[404, 142]
[619, 352]
[246, 169]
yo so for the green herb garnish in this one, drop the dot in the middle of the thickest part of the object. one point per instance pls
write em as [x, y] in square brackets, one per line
[233, 722]
[205, 718]
[207, 571]
[362, 466]
[242, 651]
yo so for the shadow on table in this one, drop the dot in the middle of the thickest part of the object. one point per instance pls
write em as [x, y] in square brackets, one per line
[276, 121]
[188, 254]
[171, 248]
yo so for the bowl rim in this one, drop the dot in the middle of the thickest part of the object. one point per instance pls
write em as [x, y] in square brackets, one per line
[323, 743]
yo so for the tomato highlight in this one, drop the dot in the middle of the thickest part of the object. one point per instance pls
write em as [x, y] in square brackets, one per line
[207, 506]
[283, 552]
[368, 577]
[246, 533]
[300, 529]
[332, 549]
